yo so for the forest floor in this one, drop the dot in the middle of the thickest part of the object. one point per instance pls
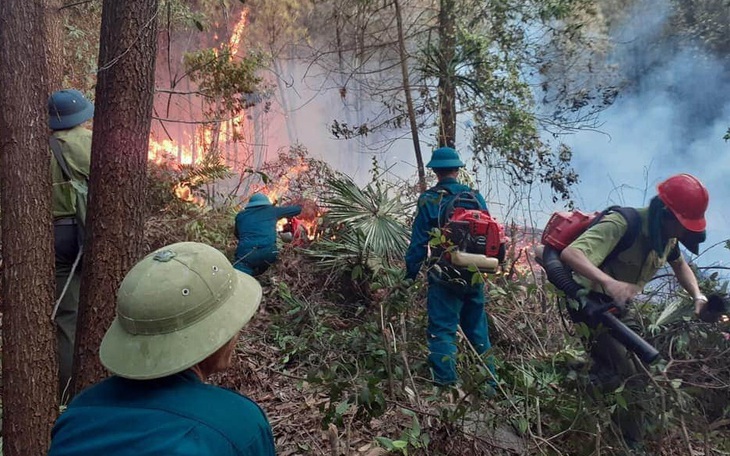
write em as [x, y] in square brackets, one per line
[295, 409]
[416, 418]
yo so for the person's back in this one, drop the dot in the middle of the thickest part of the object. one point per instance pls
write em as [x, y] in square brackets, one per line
[174, 415]
[255, 229]
[257, 226]
[636, 264]
[75, 144]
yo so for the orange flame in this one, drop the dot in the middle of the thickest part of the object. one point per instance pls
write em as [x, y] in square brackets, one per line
[204, 136]
[180, 153]
[281, 187]
[235, 40]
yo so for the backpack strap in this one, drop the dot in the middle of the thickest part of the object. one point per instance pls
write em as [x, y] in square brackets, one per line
[60, 159]
[633, 228]
[466, 198]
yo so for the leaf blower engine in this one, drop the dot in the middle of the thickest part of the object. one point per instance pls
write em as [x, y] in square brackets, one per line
[474, 239]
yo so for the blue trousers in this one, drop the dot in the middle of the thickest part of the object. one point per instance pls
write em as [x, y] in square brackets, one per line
[255, 260]
[448, 307]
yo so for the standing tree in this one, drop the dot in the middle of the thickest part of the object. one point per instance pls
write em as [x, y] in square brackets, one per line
[124, 95]
[409, 98]
[29, 355]
[446, 93]
[54, 49]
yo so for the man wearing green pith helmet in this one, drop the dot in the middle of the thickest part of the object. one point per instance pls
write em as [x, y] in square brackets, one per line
[179, 314]
[255, 230]
[448, 306]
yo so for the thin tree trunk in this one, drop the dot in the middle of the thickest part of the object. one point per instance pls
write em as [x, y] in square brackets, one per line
[409, 98]
[446, 89]
[29, 364]
[124, 98]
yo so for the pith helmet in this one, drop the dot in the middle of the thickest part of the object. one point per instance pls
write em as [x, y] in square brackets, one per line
[176, 307]
[258, 199]
[687, 198]
[445, 157]
[68, 108]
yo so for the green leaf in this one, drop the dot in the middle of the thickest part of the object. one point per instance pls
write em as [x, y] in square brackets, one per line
[385, 442]
[400, 444]
[356, 273]
[415, 428]
[522, 425]
[342, 407]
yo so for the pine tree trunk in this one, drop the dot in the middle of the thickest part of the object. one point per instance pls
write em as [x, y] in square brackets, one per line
[124, 96]
[54, 49]
[446, 88]
[29, 366]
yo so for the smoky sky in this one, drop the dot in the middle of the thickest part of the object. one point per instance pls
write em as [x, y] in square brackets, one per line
[670, 117]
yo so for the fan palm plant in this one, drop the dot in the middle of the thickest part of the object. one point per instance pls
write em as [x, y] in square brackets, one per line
[367, 226]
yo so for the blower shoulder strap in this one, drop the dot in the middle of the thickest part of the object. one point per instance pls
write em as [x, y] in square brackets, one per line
[633, 228]
[60, 159]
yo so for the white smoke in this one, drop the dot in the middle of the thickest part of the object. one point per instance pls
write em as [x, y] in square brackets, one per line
[670, 120]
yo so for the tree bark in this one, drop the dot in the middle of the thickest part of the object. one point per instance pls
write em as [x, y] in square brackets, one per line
[124, 97]
[29, 365]
[54, 49]
[409, 97]
[446, 88]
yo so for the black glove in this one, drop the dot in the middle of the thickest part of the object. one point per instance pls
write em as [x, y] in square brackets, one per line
[714, 309]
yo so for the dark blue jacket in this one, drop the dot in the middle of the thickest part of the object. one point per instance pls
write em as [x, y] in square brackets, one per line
[430, 204]
[176, 415]
[256, 227]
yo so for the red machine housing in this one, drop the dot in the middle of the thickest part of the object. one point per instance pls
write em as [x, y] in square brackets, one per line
[565, 227]
[475, 231]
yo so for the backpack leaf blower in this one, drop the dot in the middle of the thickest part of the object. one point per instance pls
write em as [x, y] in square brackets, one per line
[597, 307]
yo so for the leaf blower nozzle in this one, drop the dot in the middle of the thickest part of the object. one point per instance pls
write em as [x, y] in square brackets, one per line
[596, 311]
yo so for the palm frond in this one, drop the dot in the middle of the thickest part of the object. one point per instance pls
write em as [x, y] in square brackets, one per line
[210, 169]
[374, 212]
[367, 226]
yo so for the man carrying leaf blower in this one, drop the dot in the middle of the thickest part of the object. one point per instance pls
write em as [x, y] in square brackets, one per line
[455, 234]
[620, 250]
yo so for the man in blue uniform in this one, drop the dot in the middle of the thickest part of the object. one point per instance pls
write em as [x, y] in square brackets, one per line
[256, 232]
[448, 305]
[179, 314]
